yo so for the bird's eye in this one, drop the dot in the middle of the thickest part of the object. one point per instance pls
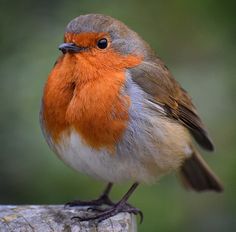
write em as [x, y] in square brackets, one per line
[102, 43]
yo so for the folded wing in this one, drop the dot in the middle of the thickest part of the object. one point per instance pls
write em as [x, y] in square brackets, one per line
[156, 80]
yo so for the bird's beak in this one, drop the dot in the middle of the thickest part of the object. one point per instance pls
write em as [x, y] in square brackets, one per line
[70, 47]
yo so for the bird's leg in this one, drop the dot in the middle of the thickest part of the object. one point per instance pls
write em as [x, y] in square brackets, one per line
[102, 200]
[121, 206]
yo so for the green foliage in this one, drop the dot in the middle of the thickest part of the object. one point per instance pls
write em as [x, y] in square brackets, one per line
[197, 41]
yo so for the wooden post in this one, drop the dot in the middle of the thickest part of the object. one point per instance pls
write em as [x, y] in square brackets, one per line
[57, 218]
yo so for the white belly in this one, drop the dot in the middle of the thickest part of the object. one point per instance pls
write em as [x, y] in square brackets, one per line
[100, 164]
[143, 155]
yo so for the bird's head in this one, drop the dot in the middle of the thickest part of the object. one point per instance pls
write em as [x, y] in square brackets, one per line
[105, 41]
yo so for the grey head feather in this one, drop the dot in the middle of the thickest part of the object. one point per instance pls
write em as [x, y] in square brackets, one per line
[124, 40]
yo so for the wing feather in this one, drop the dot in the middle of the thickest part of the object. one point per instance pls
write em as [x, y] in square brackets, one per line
[156, 80]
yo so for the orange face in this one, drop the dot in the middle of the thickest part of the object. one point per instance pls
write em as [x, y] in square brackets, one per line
[86, 39]
[84, 92]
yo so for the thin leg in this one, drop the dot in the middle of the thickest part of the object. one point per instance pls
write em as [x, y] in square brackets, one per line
[128, 194]
[102, 200]
[121, 206]
[106, 192]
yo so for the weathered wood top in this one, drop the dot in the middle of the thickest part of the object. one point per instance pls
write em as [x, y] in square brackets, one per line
[57, 218]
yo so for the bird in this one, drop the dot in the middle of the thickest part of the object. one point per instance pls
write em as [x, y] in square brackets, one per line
[111, 109]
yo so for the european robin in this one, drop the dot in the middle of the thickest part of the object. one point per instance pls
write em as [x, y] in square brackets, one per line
[112, 109]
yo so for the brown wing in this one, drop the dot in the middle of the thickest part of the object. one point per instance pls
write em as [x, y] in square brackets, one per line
[156, 80]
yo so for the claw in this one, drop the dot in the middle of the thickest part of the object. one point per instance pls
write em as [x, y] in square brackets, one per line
[114, 210]
[135, 211]
[76, 217]
[121, 206]
[140, 213]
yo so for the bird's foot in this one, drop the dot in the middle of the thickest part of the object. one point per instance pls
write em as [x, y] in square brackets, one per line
[103, 200]
[120, 207]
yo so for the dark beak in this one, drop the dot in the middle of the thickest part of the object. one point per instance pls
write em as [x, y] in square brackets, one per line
[70, 47]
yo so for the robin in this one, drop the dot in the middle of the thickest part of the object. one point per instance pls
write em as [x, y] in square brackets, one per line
[111, 109]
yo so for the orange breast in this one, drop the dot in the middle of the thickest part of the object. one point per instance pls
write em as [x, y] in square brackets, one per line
[84, 91]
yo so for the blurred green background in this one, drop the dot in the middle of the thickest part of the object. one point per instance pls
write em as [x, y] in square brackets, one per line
[196, 39]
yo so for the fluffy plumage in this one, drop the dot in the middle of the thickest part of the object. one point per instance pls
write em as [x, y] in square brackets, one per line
[117, 114]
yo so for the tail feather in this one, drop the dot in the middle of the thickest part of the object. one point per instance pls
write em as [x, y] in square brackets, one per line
[198, 176]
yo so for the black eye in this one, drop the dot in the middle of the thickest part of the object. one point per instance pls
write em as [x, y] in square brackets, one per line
[102, 43]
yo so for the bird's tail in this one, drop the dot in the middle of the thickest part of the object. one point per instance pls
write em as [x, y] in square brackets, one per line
[196, 175]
